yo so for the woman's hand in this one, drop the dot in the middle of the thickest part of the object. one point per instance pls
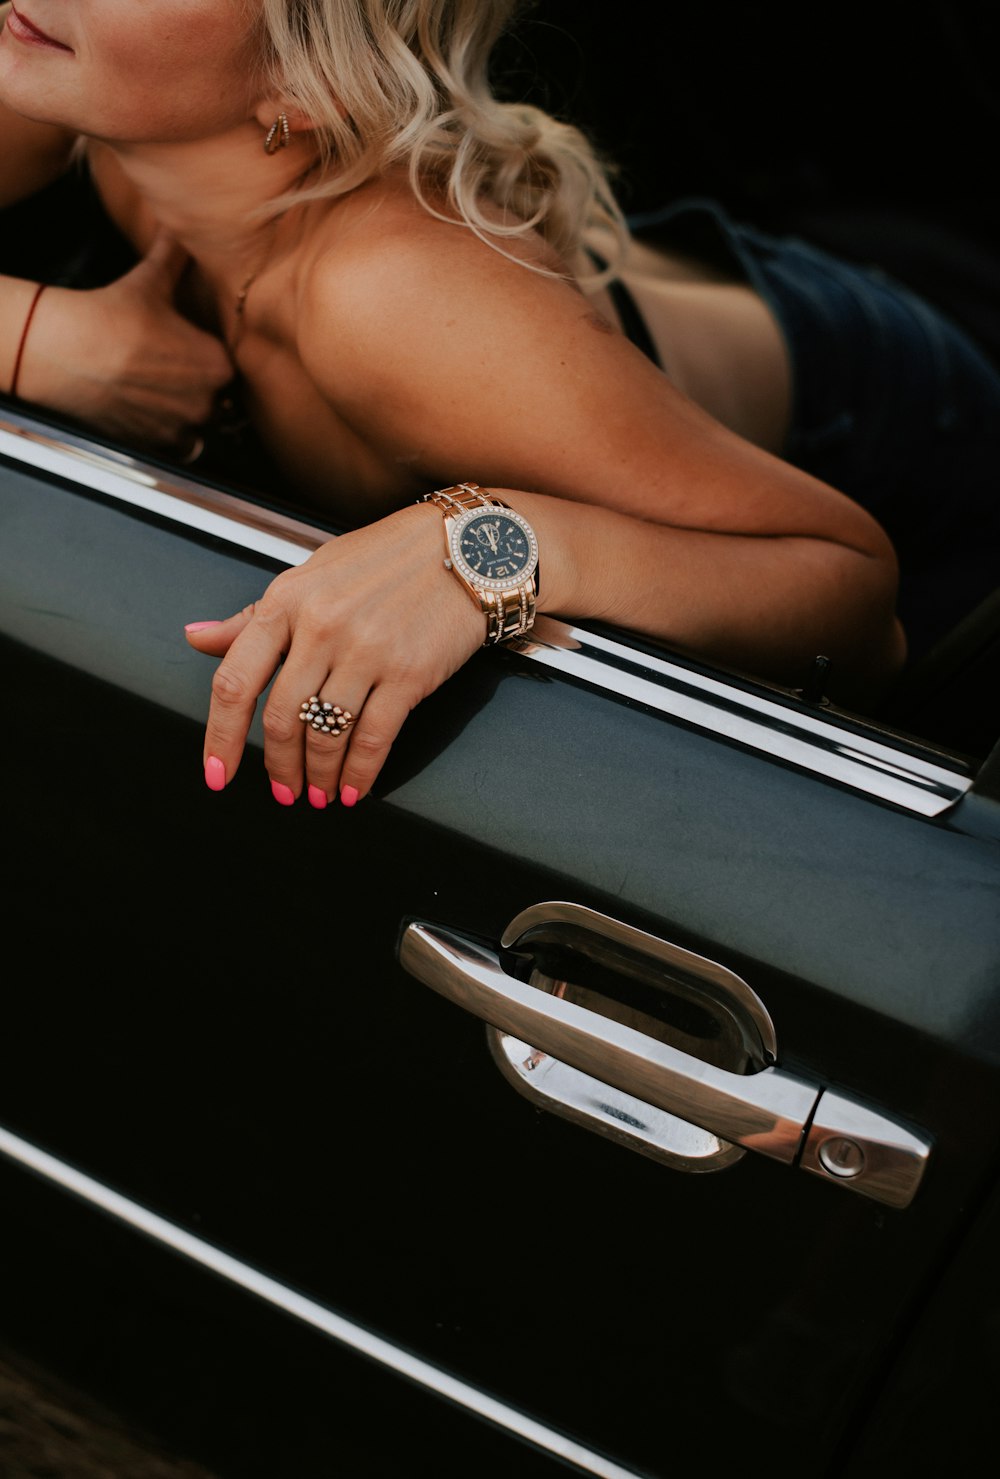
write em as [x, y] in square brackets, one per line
[121, 357]
[372, 623]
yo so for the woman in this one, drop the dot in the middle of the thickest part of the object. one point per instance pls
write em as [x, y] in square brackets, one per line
[408, 280]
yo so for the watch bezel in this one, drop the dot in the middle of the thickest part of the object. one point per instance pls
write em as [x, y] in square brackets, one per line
[456, 528]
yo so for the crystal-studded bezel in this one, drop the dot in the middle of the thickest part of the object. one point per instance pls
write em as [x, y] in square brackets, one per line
[510, 582]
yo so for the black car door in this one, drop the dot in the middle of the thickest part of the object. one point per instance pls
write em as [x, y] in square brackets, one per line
[616, 1086]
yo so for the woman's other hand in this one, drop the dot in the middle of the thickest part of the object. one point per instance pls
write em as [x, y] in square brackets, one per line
[372, 622]
[122, 358]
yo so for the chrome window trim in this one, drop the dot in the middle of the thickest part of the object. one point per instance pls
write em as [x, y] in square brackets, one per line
[803, 738]
[169, 494]
[917, 780]
[309, 1311]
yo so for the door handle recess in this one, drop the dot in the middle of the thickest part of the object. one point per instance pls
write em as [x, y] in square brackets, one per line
[772, 1111]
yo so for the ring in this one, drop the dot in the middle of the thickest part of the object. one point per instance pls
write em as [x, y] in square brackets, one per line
[327, 718]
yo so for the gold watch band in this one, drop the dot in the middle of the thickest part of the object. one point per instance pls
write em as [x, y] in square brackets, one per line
[508, 613]
[462, 497]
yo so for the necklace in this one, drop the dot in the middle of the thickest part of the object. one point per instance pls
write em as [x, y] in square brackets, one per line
[240, 302]
[239, 308]
[230, 415]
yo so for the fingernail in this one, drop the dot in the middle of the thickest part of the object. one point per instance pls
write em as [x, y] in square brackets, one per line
[348, 795]
[215, 774]
[284, 795]
[317, 798]
[199, 626]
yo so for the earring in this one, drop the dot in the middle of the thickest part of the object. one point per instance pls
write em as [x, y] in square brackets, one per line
[278, 136]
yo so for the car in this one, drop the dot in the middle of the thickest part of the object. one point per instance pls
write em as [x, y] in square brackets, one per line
[614, 1091]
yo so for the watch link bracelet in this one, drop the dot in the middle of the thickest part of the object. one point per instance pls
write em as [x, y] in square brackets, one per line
[494, 553]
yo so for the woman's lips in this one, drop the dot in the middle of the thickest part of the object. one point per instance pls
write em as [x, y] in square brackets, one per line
[23, 29]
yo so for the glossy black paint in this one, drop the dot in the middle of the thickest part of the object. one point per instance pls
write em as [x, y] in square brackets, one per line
[286, 1091]
[182, 1356]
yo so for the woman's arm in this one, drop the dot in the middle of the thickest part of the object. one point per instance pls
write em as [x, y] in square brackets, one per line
[648, 514]
[120, 358]
[451, 359]
[763, 603]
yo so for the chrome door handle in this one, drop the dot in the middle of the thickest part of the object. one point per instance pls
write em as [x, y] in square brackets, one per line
[772, 1111]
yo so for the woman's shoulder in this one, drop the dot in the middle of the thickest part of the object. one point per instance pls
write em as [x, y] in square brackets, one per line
[385, 270]
[384, 235]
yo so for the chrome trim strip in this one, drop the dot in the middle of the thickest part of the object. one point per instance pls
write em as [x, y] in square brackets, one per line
[307, 1310]
[172, 496]
[923, 784]
[801, 737]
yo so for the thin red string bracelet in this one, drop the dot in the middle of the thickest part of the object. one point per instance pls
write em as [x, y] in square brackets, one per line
[24, 335]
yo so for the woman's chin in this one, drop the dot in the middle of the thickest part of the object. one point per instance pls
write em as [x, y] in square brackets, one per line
[20, 92]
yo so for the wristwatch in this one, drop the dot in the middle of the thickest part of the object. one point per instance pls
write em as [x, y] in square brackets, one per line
[494, 553]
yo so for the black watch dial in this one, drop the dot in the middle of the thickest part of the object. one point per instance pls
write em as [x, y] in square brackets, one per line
[495, 547]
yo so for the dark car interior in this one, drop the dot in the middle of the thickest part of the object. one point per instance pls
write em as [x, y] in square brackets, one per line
[855, 130]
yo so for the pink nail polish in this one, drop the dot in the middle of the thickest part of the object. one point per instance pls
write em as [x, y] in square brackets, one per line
[284, 795]
[199, 626]
[348, 795]
[215, 774]
[317, 798]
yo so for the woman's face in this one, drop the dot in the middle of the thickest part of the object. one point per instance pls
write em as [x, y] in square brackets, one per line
[130, 71]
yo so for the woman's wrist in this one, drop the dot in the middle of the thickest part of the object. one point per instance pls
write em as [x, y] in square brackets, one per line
[18, 301]
[25, 331]
[557, 526]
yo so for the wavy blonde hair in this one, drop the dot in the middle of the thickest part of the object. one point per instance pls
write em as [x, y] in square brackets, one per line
[406, 82]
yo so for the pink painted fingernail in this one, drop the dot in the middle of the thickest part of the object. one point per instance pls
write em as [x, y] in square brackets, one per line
[348, 795]
[284, 795]
[317, 798]
[215, 774]
[199, 626]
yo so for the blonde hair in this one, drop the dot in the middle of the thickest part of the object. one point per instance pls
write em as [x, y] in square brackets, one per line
[405, 82]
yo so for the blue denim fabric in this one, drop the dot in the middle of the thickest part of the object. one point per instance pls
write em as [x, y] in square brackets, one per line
[892, 403]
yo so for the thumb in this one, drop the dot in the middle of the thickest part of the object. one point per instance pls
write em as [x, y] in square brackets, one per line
[215, 638]
[164, 262]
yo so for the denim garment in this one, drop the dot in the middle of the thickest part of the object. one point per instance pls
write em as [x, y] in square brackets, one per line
[892, 404]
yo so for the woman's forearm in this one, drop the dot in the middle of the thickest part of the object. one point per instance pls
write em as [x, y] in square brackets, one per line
[764, 604]
[119, 357]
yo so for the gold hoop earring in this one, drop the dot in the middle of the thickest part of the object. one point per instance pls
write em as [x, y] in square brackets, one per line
[278, 136]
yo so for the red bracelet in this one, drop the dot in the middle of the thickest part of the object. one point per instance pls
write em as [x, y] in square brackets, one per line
[24, 334]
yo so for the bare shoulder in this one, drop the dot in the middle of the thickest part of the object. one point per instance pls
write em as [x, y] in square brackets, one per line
[383, 225]
[442, 351]
[393, 293]
[445, 354]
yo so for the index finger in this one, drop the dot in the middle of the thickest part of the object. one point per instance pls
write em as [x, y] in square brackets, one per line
[241, 677]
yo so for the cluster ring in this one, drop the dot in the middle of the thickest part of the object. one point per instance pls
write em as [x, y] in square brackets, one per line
[325, 717]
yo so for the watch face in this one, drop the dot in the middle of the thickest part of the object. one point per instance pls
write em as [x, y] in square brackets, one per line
[494, 548]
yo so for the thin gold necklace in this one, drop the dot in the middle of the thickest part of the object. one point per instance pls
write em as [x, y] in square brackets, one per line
[238, 311]
[240, 303]
[230, 416]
